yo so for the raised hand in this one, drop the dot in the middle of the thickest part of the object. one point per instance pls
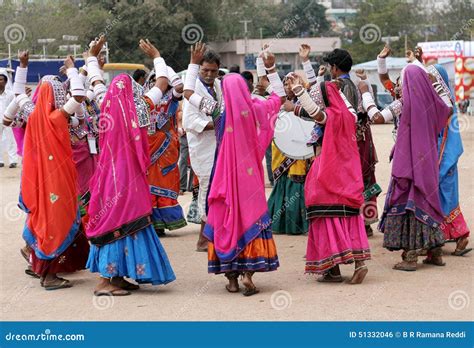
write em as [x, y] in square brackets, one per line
[304, 52]
[360, 73]
[24, 56]
[69, 62]
[149, 49]
[288, 106]
[96, 46]
[62, 70]
[385, 52]
[322, 70]
[419, 54]
[197, 52]
[363, 86]
[269, 59]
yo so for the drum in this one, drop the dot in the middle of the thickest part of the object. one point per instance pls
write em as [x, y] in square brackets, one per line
[292, 134]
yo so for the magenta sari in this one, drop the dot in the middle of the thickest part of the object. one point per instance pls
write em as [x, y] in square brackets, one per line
[238, 210]
[119, 188]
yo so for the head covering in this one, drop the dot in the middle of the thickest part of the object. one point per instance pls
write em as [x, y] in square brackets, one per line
[9, 86]
[334, 183]
[415, 171]
[48, 181]
[238, 210]
[119, 188]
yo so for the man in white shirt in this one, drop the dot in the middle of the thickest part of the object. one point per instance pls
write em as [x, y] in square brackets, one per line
[200, 132]
[7, 141]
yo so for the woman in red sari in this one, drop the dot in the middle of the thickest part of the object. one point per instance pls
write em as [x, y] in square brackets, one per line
[49, 185]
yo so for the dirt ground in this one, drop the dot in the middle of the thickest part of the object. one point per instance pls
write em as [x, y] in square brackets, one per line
[431, 293]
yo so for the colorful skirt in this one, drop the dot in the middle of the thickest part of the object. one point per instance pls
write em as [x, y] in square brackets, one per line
[335, 240]
[286, 207]
[73, 259]
[163, 177]
[454, 226]
[260, 255]
[139, 256]
[406, 232]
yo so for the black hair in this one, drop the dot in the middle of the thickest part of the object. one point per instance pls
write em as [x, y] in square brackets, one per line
[211, 57]
[221, 72]
[340, 58]
[5, 76]
[235, 69]
[247, 75]
[138, 74]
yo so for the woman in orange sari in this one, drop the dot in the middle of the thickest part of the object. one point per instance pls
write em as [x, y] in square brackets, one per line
[163, 173]
[49, 185]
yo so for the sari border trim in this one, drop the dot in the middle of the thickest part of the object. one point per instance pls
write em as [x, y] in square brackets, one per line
[122, 231]
[314, 211]
[264, 223]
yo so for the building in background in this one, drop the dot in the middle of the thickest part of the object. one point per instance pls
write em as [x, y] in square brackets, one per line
[244, 52]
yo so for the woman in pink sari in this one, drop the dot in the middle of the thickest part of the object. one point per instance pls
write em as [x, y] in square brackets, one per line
[124, 241]
[239, 226]
[333, 189]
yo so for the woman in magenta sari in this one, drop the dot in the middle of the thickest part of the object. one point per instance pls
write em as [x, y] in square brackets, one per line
[333, 188]
[413, 214]
[124, 241]
[239, 226]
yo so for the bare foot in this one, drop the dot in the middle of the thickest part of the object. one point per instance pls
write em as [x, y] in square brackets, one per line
[123, 284]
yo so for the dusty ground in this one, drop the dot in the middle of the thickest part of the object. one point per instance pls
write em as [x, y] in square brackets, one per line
[431, 293]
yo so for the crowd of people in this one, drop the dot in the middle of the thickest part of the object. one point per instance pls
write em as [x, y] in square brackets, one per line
[102, 170]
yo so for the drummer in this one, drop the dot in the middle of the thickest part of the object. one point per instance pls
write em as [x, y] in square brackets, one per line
[286, 203]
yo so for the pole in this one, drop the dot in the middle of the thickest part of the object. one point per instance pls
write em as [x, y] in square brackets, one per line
[10, 56]
[406, 42]
[245, 21]
[44, 51]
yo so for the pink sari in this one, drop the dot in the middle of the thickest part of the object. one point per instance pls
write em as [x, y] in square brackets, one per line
[119, 188]
[238, 210]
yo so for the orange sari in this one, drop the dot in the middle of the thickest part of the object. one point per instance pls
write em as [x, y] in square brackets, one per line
[49, 177]
[163, 173]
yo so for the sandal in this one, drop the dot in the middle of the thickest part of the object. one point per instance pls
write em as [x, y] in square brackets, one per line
[25, 253]
[250, 288]
[329, 278]
[30, 272]
[434, 261]
[116, 292]
[404, 266]
[56, 284]
[250, 291]
[461, 247]
[124, 284]
[359, 275]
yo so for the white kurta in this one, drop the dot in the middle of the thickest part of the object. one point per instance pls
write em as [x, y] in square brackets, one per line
[201, 143]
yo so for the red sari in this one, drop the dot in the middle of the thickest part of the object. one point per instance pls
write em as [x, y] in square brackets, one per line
[49, 186]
